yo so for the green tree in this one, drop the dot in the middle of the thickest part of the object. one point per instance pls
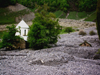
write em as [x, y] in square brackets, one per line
[44, 30]
[87, 5]
[98, 18]
[64, 5]
[9, 39]
[53, 4]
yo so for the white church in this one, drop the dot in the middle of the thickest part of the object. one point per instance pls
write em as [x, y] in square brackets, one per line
[23, 28]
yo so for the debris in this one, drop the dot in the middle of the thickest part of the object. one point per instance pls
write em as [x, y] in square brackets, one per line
[85, 43]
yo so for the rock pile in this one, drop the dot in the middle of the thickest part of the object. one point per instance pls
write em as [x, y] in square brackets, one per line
[76, 23]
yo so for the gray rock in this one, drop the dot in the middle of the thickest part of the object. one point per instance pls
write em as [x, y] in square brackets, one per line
[67, 58]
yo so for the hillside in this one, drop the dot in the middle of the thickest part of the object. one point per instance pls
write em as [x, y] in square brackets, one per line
[85, 16]
[70, 9]
[14, 13]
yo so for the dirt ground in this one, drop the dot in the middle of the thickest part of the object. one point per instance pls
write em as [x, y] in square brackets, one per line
[65, 58]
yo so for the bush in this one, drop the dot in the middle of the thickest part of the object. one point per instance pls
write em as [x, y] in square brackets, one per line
[69, 29]
[9, 39]
[92, 32]
[44, 30]
[37, 37]
[82, 33]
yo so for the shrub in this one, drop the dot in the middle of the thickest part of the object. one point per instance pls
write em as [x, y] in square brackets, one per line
[69, 29]
[92, 32]
[82, 33]
[37, 37]
[44, 30]
[9, 39]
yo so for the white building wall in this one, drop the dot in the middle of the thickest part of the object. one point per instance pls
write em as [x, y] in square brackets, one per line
[27, 31]
[23, 33]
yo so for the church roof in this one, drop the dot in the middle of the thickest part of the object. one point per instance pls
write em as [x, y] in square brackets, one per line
[22, 24]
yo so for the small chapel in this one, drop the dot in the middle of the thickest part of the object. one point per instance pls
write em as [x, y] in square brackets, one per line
[23, 29]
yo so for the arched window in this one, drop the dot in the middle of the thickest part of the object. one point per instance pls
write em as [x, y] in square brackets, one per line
[24, 32]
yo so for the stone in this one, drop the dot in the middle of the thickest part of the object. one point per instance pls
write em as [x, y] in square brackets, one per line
[96, 56]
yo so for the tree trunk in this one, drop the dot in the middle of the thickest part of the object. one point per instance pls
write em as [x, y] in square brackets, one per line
[98, 18]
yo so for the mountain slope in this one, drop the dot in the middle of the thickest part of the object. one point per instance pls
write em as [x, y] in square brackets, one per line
[13, 14]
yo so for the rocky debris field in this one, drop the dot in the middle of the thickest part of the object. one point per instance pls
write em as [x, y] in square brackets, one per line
[66, 58]
[76, 24]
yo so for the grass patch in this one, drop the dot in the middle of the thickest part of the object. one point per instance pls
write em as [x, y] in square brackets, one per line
[63, 15]
[58, 13]
[91, 17]
[78, 15]
[67, 30]
[8, 17]
[82, 14]
[62, 31]
[72, 15]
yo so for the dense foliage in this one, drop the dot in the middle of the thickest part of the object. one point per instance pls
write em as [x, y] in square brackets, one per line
[98, 18]
[64, 5]
[4, 3]
[44, 30]
[69, 29]
[87, 5]
[9, 39]
[53, 4]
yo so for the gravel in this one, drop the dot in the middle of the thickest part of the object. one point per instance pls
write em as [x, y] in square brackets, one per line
[66, 58]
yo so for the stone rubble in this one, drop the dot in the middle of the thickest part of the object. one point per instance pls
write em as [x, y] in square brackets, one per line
[66, 58]
[76, 24]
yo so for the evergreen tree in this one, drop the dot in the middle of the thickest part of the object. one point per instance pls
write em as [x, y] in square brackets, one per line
[44, 30]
